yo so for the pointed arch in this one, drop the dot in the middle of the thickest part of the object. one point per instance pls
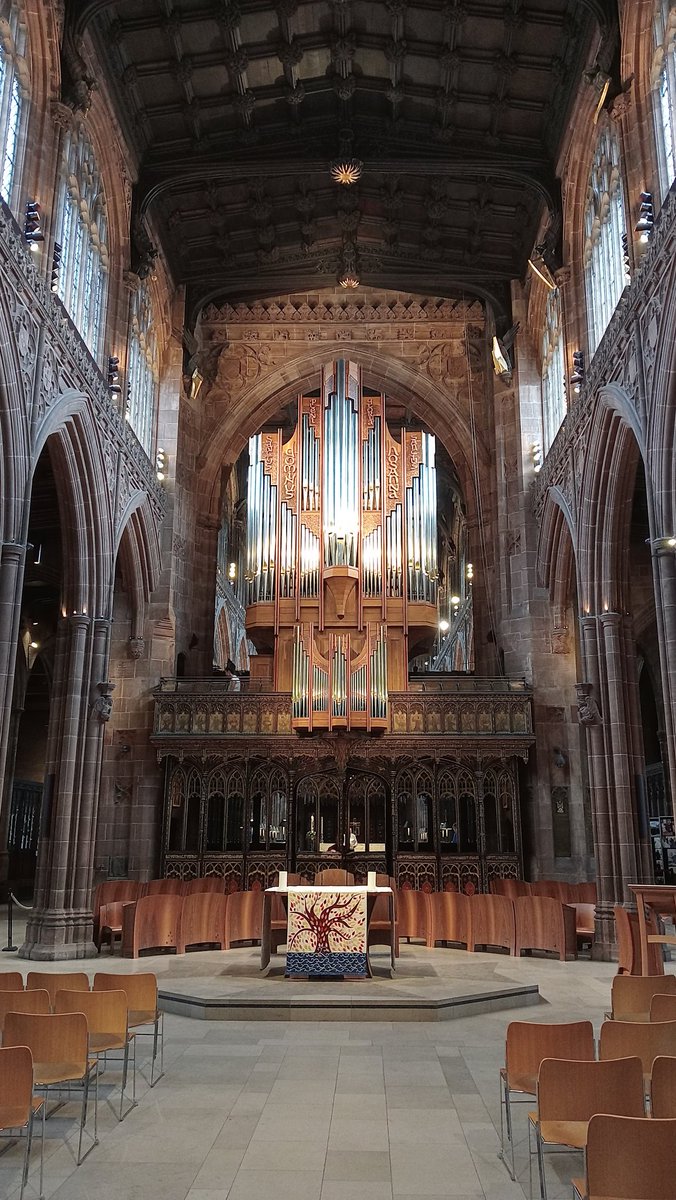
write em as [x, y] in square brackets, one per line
[556, 557]
[606, 499]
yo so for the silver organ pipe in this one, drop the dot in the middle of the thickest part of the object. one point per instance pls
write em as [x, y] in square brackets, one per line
[300, 680]
[358, 689]
[378, 699]
[421, 526]
[341, 475]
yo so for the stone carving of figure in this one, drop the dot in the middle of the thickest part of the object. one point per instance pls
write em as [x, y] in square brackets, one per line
[103, 704]
[588, 710]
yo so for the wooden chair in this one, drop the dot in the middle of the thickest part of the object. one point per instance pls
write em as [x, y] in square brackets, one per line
[545, 924]
[113, 891]
[57, 981]
[332, 876]
[629, 1158]
[622, 1039]
[151, 924]
[202, 920]
[110, 923]
[11, 981]
[18, 1105]
[35, 1001]
[59, 1045]
[631, 995]
[450, 918]
[569, 1093]
[142, 1009]
[663, 1007]
[380, 932]
[527, 1044]
[512, 888]
[413, 914]
[586, 893]
[585, 929]
[548, 888]
[107, 1026]
[629, 946]
[663, 1088]
[163, 887]
[213, 884]
[492, 922]
[243, 918]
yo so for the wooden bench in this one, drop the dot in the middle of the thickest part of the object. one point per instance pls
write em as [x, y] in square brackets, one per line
[492, 922]
[543, 923]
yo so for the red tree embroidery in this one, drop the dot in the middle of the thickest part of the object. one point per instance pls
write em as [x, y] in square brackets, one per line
[330, 925]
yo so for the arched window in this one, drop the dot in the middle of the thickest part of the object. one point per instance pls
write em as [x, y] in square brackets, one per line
[14, 91]
[82, 236]
[142, 369]
[604, 227]
[553, 370]
[664, 81]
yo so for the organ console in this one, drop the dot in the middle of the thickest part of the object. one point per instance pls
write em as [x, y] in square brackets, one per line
[341, 554]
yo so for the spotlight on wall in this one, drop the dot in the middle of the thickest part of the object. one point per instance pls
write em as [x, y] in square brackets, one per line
[443, 625]
[646, 218]
[35, 645]
[114, 386]
[536, 455]
[161, 464]
[32, 226]
[578, 376]
[232, 571]
[469, 572]
[455, 601]
[56, 266]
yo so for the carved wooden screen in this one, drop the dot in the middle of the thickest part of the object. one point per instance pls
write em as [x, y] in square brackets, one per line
[318, 814]
[414, 792]
[367, 813]
[268, 801]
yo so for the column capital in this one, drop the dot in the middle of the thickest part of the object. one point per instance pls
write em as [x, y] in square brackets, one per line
[14, 551]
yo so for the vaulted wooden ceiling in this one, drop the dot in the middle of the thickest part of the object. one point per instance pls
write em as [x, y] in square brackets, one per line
[238, 107]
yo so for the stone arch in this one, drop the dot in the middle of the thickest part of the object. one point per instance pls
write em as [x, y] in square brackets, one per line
[229, 433]
[14, 454]
[660, 347]
[222, 642]
[556, 553]
[606, 498]
[138, 552]
[70, 433]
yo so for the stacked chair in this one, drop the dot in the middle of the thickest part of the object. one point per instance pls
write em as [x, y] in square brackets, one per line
[58, 1034]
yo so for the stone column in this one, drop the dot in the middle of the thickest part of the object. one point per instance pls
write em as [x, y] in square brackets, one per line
[592, 720]
[664, 575]
[61, 923]
[12, 563]
[618, 725]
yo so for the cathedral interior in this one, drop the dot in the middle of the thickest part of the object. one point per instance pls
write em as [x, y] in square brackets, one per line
[337, 414]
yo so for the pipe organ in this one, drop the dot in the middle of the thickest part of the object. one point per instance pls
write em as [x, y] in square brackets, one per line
[341, 559]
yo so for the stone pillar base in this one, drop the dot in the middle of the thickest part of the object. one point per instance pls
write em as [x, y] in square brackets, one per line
[56, 935]
[604, 946]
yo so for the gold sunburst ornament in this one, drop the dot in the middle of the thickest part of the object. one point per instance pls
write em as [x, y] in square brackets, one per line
[348, 280]
[346, 171]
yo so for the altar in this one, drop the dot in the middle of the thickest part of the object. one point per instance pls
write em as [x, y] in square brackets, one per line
[327, 929]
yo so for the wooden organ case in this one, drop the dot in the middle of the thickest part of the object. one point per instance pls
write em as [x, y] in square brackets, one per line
[330, 755]
[341, 563]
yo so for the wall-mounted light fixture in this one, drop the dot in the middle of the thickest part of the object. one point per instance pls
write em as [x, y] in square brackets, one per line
[232, 571]
[161, 464]
[56, 266]
[32, 226]
[469, 572]
[578, 376]
[646, 218]
[536, 455]
[443, 625]
[114, 386]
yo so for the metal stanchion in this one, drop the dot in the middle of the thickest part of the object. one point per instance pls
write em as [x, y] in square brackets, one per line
[10, 947]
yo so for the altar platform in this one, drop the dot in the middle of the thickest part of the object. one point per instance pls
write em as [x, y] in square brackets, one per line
[429, 985]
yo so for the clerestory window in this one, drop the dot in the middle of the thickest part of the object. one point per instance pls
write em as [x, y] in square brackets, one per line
[82, 232]
[604, 228]
[553, 370]
[14, 96]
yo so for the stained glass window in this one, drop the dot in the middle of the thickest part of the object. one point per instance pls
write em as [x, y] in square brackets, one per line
[553, 370]
[14, 92]
[604, 227]
[82, 234]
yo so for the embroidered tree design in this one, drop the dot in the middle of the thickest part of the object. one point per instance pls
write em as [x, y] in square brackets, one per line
[328, 922]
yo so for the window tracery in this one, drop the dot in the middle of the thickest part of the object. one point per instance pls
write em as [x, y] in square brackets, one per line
[604, 227]
[553, 370]
[14, 94]
[82, 235]
[142, 368]
[664, 82]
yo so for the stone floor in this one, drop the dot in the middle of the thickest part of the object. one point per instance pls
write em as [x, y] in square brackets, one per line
[308, 1110]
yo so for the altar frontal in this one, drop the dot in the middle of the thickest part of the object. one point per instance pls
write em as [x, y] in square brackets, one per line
[327, 932]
